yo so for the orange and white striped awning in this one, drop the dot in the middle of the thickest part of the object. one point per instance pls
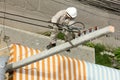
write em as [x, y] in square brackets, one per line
[52, 68]
[58, 67]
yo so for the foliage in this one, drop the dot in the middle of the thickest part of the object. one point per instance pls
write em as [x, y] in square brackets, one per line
[103, 60]
[90, 44]
[61, 35]
[117, 53]
[100, 59]
[99, 48]
[117, 56]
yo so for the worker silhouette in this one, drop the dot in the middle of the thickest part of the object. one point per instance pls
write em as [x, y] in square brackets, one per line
[63, 17]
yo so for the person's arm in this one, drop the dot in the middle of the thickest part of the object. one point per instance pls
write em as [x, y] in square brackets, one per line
[71, 22]
[56, 17]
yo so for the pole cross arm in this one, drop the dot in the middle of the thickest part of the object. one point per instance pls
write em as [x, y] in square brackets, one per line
[75, 42]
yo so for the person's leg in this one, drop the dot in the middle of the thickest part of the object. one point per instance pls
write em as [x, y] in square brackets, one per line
[68, 37]
[53, 38]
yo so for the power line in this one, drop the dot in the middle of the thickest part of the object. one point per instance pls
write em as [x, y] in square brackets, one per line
[25, 17]
[25, 22]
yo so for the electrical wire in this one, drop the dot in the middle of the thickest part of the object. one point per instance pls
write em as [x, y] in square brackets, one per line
[25, 17]
[26, 22]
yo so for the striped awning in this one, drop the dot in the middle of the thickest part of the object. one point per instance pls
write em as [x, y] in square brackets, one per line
[58, 67]
[52, 68]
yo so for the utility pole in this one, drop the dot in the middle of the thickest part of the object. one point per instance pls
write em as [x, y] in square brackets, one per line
[55, 50]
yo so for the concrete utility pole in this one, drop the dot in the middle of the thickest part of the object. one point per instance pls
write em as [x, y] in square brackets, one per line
[59, 48]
